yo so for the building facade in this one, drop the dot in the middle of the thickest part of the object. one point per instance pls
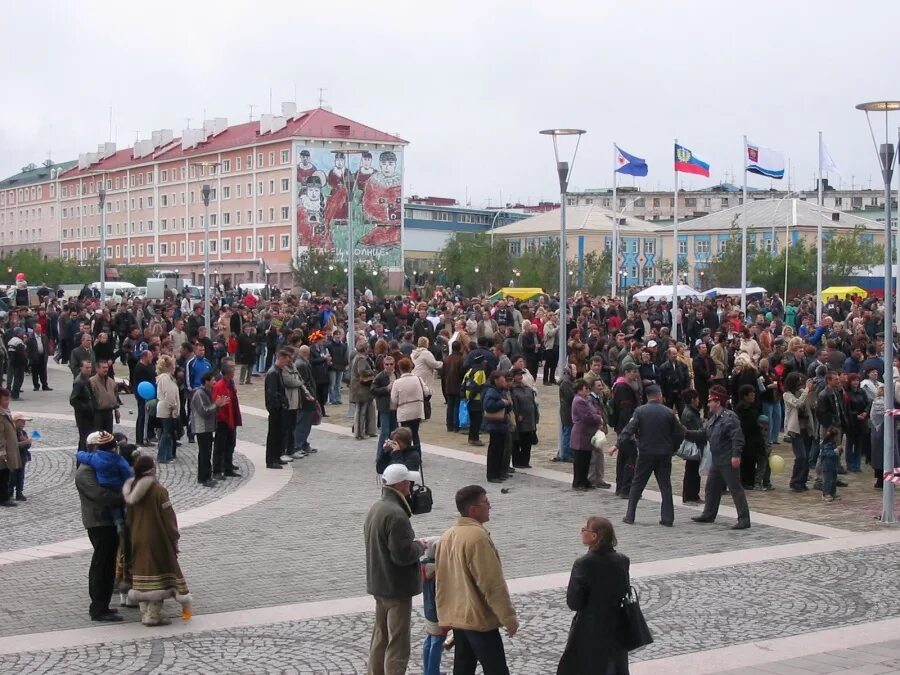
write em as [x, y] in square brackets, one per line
[153, 207]
[28, 209]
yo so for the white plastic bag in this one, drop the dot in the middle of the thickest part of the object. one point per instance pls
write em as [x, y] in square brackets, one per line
[599, 439]
[706, 462]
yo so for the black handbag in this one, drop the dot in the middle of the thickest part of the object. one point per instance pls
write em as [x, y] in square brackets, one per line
[426, 400]
[420, 497]
[633, 631]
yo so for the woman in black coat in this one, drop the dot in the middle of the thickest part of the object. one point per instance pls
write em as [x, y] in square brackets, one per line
[598, 582]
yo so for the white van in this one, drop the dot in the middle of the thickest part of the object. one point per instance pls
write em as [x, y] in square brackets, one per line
[115, 290]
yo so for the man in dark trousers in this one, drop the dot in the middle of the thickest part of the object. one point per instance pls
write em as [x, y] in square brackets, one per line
[38, 353]
[658, 436]
[722, 432]
[673, 379]
[277, 406]
[144, 371]
[95, 516]
[82, 401]
[625, 402]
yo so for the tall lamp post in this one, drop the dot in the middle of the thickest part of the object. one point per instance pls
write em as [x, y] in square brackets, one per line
[563, 170]
[101, 195]
[205, 193]
[886, 158]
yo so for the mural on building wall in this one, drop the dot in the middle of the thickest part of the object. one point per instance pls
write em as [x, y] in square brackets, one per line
[337, 188]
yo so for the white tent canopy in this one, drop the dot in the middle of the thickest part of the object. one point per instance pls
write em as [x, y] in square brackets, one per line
[664, 292]
[735, 292]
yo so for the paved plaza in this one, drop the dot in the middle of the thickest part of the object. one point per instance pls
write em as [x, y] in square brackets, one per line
[275, 562]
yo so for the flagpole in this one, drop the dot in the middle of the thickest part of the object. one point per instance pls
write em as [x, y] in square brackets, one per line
[615, 231]
[744, 237]
[819, 252]
[675, 260]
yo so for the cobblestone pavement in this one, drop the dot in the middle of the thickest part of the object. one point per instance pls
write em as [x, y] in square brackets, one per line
[860, 503]
[304, 544]
[687, 613]
[52, 513]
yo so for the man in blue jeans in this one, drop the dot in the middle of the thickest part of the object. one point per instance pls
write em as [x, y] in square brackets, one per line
[387, 418]
[566, 394]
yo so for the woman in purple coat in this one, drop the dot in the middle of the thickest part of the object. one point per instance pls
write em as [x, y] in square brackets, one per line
[586, 420]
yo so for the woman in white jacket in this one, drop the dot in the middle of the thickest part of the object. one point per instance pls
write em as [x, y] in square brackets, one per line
[167, 407]
[425, 365]
[408, 394]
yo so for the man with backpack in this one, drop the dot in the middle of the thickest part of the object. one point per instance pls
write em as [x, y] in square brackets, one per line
[472, 387]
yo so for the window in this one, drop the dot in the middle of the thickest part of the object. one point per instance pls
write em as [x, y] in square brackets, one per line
[769, 245]
[163, 225]
[237, 163]
[271, 159]
[271, 187]
[212, 245]
[132, 203]
[226, 246]
[149, 177]
[117, 185]
[724, 202]
[249, 244]
[249, 161]
[163, 249]
[249, 189]
[649, 246]
[837, 216]
[271, 242]
[701, 246]
[682, 247]
[212, 220]
[271, 214]
[259, 216]
[639, 203]
[226, 192]
[440, 215]
[856, 202]
[259, 160]
[226, 218]
[285, 212]
[249, 217]
[285, 242]
[226, 165]
[182, 223]
[149, 226]
[707, 201]
[150, 249]
[690, 201]
[285, 184]
[182, 199]
[649, 273]
[259, 188]
[723, 244]
[164, 176]
[671, 202]
[118, 251]
[181, 247]
[621, 203]
[238, 244]
[838, 201]
[149, 202]
[285, 156]
[237, 190]
[163, 200]
[192, 247]
[140, 250]
[260, 244]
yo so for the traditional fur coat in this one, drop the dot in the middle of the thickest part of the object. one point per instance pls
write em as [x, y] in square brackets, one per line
[156, 574]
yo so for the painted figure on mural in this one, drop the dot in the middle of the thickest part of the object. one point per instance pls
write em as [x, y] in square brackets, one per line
[337, 195]
[382, 203]
[311, 225]
[305, 168]
[365, 172]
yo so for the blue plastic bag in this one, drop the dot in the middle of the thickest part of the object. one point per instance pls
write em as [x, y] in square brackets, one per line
[463, 416]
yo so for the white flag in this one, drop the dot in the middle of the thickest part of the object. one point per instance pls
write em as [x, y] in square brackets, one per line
[826, 163]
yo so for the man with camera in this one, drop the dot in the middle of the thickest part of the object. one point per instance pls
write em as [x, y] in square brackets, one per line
[392, 571]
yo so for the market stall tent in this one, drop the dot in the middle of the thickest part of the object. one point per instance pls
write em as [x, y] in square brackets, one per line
[719, 290]
[664, 292]
[844, 292]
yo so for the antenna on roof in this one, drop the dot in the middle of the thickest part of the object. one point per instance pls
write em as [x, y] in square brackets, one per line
[110, 123]
[137, 135]
[322, 91]
[251, 110]
[270, 100]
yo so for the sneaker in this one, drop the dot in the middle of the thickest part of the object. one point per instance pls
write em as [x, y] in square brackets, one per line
[827, 499]
[20, 497]
[286, 458]
[602, 484]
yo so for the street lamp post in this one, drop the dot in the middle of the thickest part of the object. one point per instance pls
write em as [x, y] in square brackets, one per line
[205, 193]
[101, 194]
[886, 158]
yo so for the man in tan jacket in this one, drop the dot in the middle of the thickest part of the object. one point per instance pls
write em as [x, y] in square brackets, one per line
[472, 596]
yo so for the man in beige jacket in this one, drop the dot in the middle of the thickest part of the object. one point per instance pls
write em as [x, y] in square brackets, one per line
[472, 596]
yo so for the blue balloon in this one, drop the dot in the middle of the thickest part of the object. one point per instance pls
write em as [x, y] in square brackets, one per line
[146, 390]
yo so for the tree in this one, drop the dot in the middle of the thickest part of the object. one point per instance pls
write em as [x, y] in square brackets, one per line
[846, 253]
[469, 259]
[664, 267]
[597, 272]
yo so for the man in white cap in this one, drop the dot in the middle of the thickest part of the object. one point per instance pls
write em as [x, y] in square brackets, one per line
[392, 571]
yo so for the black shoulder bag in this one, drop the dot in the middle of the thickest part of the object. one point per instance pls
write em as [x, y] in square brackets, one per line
[633, 631]
[420, 497]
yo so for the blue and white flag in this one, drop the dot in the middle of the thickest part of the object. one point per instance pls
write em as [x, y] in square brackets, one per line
[629, 164]
[763, 161]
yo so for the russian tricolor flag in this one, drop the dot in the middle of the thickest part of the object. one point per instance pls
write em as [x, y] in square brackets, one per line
[686, 162]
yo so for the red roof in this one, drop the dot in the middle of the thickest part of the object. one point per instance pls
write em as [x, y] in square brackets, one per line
[318, 123]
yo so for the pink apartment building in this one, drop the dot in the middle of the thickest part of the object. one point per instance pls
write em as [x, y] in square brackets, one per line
[155, 214]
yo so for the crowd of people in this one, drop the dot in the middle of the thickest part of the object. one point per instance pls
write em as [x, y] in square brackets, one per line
[705, 376]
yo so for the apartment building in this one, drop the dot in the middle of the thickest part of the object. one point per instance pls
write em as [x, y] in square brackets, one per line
[151, 196]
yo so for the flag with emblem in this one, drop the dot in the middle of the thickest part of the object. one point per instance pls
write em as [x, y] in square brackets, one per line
[687, 162]
[763, 161]
[629, 164]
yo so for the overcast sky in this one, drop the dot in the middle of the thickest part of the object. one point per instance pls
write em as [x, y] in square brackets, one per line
[468, 84]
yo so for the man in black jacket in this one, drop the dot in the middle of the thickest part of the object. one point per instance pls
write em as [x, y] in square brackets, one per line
[625, 402]
[82, 401]
[658, 436]
[276, 406]
[337, 349]
[673, 379]
[18, 360]
[38, 353]
[144, 371]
